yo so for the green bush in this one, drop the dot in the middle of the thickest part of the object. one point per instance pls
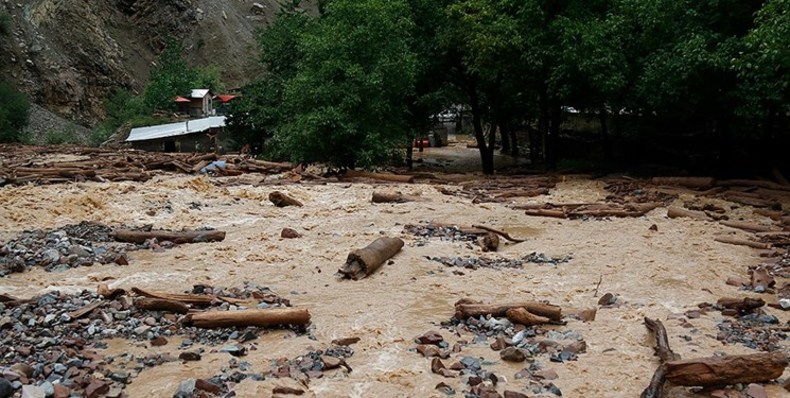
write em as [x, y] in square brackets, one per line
[5, 23]
[60, 137]
[14, 114]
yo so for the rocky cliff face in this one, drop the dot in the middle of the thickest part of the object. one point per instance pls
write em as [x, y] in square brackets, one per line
[68, 55]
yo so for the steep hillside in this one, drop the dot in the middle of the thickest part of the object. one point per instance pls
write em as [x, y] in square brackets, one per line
[69, 54]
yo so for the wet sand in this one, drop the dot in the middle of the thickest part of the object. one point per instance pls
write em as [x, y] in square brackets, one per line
[654, 274]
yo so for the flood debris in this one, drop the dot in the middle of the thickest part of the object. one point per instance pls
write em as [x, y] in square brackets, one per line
[243, 318]
[385, 177]
[394, 197]
[290, 233]
[711, 371]
[503, 189]
[588, 210]
[53, 339]
[364, 262]
[177, 237]
[474, 262]
[280, 199]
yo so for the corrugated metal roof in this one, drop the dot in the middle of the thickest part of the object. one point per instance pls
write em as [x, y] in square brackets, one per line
[199, 93]
[175, 129]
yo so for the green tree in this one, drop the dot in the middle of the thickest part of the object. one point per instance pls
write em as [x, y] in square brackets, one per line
[348, 96]
[14, 114]
[171, 76]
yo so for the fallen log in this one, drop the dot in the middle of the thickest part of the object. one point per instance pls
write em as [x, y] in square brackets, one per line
[665, 353]
[108, 293]
[731, 369]
[498, 232]
[753, 183]
[546, 213]
[688, 182]
[363, 262]
[522, 193]
[380, 176]
[466, 309]
[195, 299]
[152, 304]
[775, 215]
[524, 317]
[244, 318]
[677, 212]
[743, 242]
[750, 200]
[744, 305]
[178, 237]
[747, 226]
[282, 200]
[627, 211]
[663, 350]
[394, 197]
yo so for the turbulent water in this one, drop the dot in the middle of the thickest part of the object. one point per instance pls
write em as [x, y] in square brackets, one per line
[654, 273]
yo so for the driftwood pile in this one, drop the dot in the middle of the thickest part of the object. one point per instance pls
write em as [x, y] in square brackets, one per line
[501, 190]
[588, 210]
[51, 165]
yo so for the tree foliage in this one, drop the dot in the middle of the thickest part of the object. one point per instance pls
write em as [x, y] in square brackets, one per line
[342, 85]
[14, 114]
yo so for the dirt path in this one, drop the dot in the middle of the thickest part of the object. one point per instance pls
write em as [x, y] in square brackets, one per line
[653, 274]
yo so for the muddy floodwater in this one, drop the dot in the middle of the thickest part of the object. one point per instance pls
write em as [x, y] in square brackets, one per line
[654, 273]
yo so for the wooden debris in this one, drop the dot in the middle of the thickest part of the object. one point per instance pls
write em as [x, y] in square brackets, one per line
[498, 232]
[751, 227]
[688, 182]
[244, 318]
[677, 212]
[730, 369]
[195, 299]
[744, 305]
[379, 176]
[489, 242]
[663, 350]
[394, 197]
[152, 304]
[596, 210]
[85, 310]
[108, 293]
[363, 262]
[282, 200]
[743, 242]
[178, 237]
[524, 317]
[467, 308]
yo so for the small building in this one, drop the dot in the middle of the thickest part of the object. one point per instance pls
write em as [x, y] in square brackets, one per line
[183, 105]
[201, 104]
[197, 135]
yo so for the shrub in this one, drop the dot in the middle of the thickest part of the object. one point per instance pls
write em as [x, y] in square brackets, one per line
[14, 114]
[65, 135]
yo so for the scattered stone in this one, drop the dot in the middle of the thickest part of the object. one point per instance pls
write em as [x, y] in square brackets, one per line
[546, 374]
[207, 386]
[33, 392]
[345, 341]
[6, 389]
[472, 262]
[186, 389]
[756, 391]
[96, 389]
[431, 337]
[514, 394]
[61, 391]
[288, 233]
[512, 354]
[445, 389]
[158, 342]
[607, 299]
[189, 356]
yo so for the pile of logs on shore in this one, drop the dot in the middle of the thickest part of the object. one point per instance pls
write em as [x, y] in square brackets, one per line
[21, 165]
[580, 210]
[503, 189]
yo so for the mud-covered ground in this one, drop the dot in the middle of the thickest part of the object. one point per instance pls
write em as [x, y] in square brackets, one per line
[659, 273]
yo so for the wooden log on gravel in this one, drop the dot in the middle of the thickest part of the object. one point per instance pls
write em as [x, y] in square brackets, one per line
[380, 176]
[747, 226]
[152, 304]
[554, 213]
[688, 182]
[466, 309]
[744, 305]
[775, 215]
[282, 200]
[363, 262]
[726, 370]
[663, 350]
[524, 317]
[677, 212]
[179, 237]
[743, 242]
[195, 299]
[394, 197]
[244, 318]
[753, 183]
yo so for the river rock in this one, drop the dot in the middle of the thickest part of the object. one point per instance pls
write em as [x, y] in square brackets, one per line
[33, 392]
[512, 354]
[6, 389]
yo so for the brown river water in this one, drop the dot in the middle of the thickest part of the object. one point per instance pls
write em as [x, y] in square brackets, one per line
[654, 274]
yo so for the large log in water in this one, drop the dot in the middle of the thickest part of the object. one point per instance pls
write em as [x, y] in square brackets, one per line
[261, 318]
[731, 369]
[126, 235]
[465, 309]
[363, 262]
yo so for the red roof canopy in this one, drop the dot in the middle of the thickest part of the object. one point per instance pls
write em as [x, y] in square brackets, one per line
[182, 99]
[226, 98]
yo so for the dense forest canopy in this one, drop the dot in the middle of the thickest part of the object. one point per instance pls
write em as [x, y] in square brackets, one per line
[362, 77]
